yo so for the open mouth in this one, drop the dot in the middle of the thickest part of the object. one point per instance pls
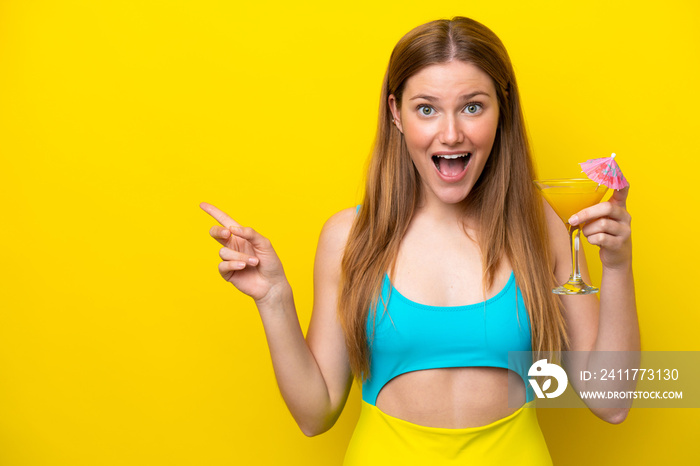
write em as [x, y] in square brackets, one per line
[453, 164]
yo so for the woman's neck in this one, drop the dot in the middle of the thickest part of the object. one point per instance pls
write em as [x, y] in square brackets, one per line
[447, 215]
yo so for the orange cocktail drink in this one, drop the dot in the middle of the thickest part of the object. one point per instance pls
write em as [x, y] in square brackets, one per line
[568, 196]
[566, 200]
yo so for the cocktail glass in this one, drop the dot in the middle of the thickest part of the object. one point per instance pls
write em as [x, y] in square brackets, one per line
[568, 196]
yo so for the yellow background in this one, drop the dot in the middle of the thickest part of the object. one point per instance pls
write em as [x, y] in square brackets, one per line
[119, 342]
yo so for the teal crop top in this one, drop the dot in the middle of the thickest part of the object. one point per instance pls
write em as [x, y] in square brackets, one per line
[408, 336]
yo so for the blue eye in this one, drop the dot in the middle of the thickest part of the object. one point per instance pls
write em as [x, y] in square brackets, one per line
[472, 108]
[425, 110]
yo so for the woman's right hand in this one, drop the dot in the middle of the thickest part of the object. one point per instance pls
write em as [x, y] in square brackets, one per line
[248, 260]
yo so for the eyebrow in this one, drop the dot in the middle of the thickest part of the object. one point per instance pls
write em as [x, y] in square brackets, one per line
[431, 98]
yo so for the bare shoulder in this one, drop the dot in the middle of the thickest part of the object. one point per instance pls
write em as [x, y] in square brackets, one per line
[341, 222]
[335, 232]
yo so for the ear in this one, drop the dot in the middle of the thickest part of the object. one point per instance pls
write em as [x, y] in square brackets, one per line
[395, 112]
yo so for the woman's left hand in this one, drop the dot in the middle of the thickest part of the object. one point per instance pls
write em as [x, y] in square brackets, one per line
[607, 225]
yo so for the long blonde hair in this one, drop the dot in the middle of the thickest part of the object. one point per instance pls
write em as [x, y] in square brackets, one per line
[503, 200]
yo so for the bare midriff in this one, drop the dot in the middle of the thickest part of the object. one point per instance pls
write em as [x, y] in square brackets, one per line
[451, 398]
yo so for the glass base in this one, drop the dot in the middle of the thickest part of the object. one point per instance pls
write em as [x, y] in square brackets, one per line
[575, 287]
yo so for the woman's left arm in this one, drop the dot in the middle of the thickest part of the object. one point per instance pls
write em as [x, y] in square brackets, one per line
[607, 225]
[605, 331]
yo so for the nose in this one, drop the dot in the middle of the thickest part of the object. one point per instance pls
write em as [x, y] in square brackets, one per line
[451, 132]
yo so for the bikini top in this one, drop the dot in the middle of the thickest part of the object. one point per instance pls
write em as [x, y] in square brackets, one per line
[406, 336]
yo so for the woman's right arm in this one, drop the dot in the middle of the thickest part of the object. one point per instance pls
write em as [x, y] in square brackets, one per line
[313, 374]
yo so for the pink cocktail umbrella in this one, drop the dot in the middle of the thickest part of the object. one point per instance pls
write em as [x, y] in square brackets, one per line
[605, 171]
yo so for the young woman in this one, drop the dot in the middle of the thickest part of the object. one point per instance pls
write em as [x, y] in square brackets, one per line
[447, 265]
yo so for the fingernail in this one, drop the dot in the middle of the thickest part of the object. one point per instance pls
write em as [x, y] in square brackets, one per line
[253, 260]
[573, 220]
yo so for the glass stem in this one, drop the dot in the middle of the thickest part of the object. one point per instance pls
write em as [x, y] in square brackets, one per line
[575, 234]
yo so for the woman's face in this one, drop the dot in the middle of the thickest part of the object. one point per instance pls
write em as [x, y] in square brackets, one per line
[448, 115]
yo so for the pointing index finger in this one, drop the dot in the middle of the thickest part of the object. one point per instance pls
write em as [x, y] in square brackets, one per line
[219, 215]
